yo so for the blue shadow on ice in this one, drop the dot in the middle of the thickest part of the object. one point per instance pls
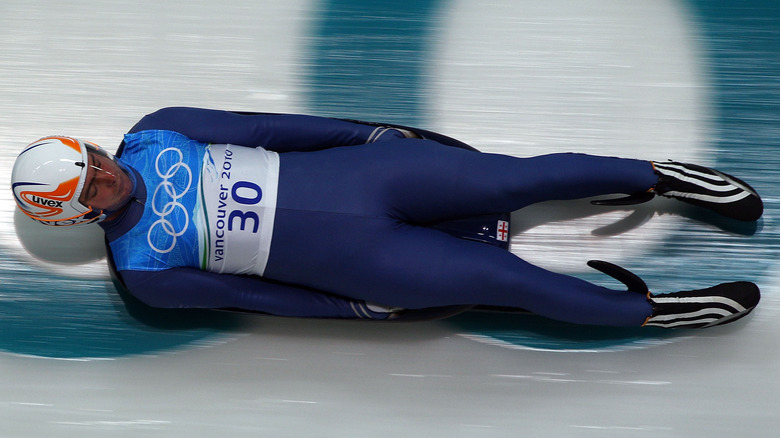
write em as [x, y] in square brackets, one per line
[526, 331]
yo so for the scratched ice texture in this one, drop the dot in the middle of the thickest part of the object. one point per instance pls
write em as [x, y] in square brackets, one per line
[690, 80]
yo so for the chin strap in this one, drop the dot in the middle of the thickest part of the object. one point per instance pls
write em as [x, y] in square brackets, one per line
[631, 280]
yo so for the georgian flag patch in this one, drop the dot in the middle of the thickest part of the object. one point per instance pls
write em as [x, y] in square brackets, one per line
[502, 231]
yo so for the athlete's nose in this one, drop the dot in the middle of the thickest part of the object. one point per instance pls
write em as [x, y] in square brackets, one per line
[104, 178]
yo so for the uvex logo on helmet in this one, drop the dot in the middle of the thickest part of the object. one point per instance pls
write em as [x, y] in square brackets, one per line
[45, 204]
[47, 179]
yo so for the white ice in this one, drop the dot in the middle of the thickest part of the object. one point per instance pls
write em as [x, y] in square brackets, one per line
[520, 77]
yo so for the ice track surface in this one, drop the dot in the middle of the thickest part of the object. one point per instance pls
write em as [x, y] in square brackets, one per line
[690, 80]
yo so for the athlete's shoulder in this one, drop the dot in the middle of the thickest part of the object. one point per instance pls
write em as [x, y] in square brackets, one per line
[171, 118]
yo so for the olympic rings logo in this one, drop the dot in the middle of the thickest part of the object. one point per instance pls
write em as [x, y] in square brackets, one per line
[167, 190]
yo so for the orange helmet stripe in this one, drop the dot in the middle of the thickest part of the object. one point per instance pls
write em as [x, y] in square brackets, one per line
[70, 142]
[64, 192]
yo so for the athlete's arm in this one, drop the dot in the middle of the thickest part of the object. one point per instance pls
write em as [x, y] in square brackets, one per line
[276, 132]
[193, 288]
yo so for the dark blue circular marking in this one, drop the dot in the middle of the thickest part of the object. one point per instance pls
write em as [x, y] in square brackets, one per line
[58, 317]
[369, 60]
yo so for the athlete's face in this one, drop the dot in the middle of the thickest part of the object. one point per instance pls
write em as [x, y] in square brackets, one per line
[107, 187]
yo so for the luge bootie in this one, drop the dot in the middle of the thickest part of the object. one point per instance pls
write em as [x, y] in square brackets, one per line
[721, 304]
[708, 188]
[701, 308]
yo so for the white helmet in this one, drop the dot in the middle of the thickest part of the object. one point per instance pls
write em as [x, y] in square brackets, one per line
[47, 179]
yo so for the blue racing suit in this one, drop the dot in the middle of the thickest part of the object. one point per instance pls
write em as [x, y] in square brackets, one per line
[347, 220]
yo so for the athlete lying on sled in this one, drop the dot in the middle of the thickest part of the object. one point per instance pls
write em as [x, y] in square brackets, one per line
[313, 217]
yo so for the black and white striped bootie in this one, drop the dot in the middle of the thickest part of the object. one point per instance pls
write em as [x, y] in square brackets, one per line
[702, 308]
[721, 304]
[708, 188]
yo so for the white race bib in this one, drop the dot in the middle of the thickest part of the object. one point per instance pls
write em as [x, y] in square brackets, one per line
[237, 205]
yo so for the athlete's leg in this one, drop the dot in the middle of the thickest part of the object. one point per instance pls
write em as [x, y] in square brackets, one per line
[421, 181]
[383, 261]
[466, 183]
